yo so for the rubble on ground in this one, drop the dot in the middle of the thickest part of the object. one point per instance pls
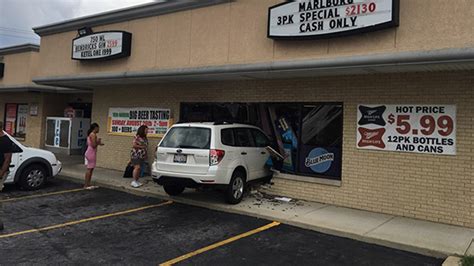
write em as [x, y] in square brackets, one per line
[258, 197]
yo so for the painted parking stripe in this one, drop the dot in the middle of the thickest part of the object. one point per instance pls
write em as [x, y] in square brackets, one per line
[219, 244]
[42, 195]
[57, 226]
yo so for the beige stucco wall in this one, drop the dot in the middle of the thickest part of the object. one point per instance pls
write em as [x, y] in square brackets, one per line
[235, 33]
[20, 68]
[436, 188]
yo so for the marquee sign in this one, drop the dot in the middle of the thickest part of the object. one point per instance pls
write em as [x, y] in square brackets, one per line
[330, 18]
[102, 46]
[429, 129]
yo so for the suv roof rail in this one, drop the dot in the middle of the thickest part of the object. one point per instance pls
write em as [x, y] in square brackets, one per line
[187, 122]
[222, 123]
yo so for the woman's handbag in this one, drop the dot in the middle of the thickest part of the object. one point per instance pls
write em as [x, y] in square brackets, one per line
[128, 173]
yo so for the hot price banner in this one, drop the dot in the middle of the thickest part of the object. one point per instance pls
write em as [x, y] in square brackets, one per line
[407, 128]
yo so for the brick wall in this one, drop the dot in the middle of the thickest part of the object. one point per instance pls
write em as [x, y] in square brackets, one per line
[430, 187]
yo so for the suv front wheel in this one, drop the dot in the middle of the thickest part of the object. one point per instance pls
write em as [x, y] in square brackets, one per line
[236, 188]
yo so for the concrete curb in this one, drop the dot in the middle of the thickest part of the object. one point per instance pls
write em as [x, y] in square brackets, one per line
[452, 261]
[313, 227]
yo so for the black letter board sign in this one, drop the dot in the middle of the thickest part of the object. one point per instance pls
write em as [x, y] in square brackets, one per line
[102, 46]
[314, 19]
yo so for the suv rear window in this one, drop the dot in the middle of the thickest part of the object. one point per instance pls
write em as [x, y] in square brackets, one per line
[187, 138]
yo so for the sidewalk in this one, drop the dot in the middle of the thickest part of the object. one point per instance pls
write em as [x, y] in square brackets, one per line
[413, 235]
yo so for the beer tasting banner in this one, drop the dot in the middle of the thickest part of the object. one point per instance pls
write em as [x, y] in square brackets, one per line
[126, 121]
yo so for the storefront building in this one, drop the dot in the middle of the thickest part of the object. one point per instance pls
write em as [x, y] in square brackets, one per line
[371, 102]
[24, 105]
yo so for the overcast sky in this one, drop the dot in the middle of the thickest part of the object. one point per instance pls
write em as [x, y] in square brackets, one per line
[17, 17]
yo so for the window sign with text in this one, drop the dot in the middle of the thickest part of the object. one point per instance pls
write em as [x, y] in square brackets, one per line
[22, 115]
[10, 118]
[427, 129]
[16, 116]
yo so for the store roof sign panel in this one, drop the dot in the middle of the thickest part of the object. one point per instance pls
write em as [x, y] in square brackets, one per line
[315, 19]
[102, 46]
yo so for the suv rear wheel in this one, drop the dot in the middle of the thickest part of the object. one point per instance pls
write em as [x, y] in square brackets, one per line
[236, 188]
[173, 190]
[33, 177]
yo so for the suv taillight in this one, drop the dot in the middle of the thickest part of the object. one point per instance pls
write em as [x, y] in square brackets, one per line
[215, 156]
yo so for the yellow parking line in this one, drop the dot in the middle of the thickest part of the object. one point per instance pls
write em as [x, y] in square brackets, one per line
[84, 220]
[42, 195]
[218, 244]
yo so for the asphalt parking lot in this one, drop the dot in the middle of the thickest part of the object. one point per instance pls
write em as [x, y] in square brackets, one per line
[63, 224]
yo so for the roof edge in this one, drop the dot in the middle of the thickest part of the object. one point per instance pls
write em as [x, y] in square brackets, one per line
[27, 47]
[40, 88]
[130, 13]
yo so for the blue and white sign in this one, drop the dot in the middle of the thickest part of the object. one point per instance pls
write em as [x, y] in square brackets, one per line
[319, 160]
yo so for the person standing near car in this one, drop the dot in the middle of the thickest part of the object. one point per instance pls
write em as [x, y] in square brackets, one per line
[93, 142]
[5, 159]
[139, 154]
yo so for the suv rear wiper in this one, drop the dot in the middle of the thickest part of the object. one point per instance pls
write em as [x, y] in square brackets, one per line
[188, 147]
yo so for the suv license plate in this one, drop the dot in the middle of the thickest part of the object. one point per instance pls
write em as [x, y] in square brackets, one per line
[180, 158]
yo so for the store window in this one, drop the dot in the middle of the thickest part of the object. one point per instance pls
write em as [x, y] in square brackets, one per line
[222, 112]
[15, 119]
[320, 151]
[308, 134]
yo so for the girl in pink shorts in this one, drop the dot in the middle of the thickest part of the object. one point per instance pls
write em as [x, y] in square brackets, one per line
[91, 153]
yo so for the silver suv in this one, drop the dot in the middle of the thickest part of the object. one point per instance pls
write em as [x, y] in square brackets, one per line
[211, 154]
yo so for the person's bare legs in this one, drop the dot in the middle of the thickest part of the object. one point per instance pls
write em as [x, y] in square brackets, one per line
[88, 177]
[2, 178]
[136, 176]
[136, 172]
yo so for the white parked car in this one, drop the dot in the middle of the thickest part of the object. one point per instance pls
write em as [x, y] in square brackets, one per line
[32, 167]
[211, 154]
